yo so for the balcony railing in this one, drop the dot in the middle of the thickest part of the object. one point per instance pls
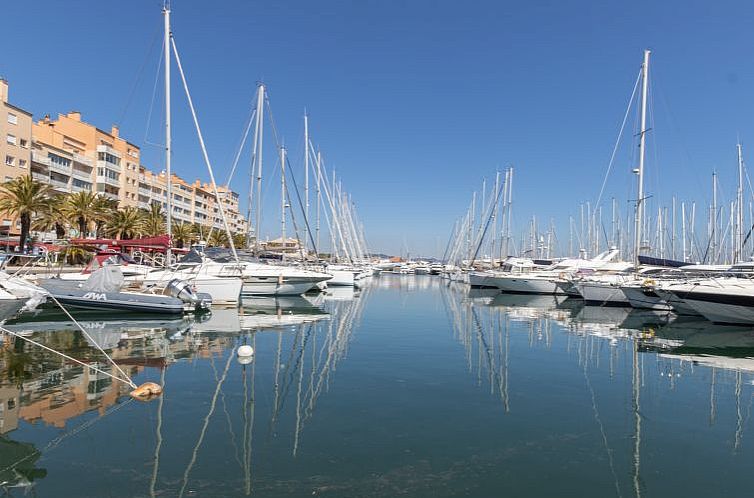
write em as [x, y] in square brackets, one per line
[81, 175]
[40, 158]
[82, 159]
[145, 191]
[109, 150]
[40, 177]
[108, 181]
[105, 164]
[66, 170]
[81, 188]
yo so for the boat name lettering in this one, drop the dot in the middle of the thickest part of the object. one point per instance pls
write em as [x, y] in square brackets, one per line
[96, 296]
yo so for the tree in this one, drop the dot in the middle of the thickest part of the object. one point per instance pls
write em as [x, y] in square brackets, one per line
[22, 198]
[52, 217]
[80, 208]
[154, 221]
[125, 223]
[217, 238]
[183, 233]
[104, 211]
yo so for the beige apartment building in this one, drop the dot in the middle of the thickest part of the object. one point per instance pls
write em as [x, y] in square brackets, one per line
[15, 137]
[73, 156]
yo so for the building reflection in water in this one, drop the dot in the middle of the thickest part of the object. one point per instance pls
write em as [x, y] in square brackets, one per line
[39, 387]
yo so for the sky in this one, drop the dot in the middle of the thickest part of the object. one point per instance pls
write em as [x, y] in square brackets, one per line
[413, 103]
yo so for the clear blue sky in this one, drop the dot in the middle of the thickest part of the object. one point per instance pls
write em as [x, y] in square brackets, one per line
[413, 102]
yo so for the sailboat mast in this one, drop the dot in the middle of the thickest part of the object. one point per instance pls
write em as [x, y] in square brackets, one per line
[306, 166]
[282, 196]
[640, 173]
[260, 136]
[168, 136]
[739, 205]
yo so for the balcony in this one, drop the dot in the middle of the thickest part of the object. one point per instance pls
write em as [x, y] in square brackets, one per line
[108, 181]
[81, 188]
[109, 150]
[40, 158]
[143, 205]
[82, 159]
[81, 175]
[40, 177]
[145, 191]
[109, 195]
[105, 164]
[66, 170]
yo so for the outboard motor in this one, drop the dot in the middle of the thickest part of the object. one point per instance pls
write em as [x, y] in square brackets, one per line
[182, 290]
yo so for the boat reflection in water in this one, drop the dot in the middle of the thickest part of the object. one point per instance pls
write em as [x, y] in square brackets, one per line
[262, 312]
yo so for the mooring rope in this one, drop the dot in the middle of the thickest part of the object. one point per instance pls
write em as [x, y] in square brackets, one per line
[86, 334]
[129, 382]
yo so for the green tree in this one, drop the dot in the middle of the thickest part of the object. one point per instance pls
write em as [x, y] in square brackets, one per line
[217, 238]
[125, 223]
[80, 209]
[183, 233]
[52, 217]
[22, 198]
[104, 210]
[154, 221]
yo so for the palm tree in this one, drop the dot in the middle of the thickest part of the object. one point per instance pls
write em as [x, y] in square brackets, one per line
[239, 240]
[183, 233]
[125, 223]
[154, 221]
[217, 238]
[52, 217]
[22, 198]
[79, 208]
[104, 210]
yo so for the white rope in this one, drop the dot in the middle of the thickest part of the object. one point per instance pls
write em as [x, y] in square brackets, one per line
[617, 141]
[3, 329]
[204, 151]
[86, 334]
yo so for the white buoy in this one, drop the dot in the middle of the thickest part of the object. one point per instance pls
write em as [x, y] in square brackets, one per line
[244, 360]
[245, 351]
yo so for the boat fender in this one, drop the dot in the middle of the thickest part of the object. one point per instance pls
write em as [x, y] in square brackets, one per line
[245, 350]
[280, 280]
[146, 391]
[649, 283]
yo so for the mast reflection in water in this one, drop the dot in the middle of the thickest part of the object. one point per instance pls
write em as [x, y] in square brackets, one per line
[410, 385]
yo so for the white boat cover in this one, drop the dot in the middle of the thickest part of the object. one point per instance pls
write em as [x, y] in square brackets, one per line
[109, 278]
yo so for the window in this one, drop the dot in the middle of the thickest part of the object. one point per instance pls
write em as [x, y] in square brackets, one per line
[23, 143]
[12, 118]
[9, 160]
[58, 160]
[104, 156]
[11, 139]
[22, 163]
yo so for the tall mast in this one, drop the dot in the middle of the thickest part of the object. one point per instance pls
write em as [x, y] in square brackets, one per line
[282, 196]
[714, 218]
[319, 193]
[306, 166]
[260, 136]
[640, 173]
[740, 206]
[168, 138]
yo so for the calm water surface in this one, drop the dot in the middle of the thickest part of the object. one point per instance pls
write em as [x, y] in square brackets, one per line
[409, 387]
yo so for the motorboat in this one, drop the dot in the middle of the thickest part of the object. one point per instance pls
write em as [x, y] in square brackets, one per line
[103, 291]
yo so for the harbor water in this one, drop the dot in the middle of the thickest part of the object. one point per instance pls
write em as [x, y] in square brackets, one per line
[409, 386]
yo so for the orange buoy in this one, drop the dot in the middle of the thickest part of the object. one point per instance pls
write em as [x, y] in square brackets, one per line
[146, 391]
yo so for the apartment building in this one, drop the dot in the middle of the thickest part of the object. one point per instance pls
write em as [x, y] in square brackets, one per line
[15, 137]
[192, 202]
[73, 156]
